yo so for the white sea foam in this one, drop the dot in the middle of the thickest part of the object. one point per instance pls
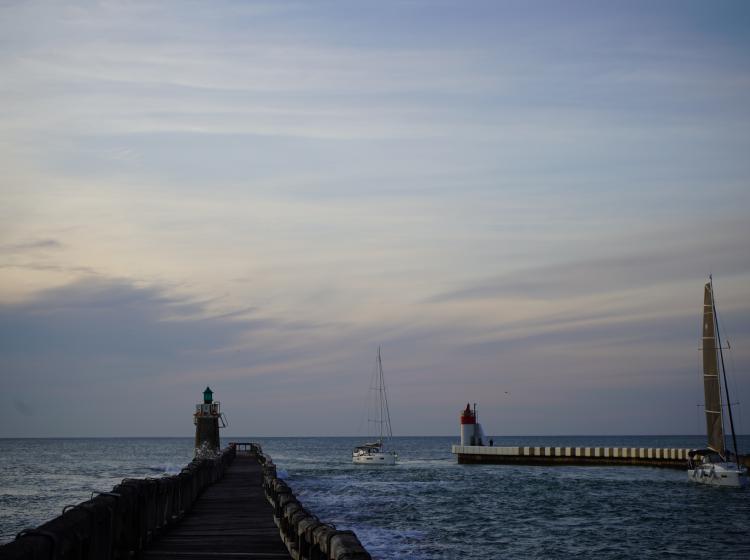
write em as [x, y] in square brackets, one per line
[282, 473]
[166, 468]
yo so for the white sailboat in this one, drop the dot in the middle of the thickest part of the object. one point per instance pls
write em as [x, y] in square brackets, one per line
[715, 465]
[377, 452]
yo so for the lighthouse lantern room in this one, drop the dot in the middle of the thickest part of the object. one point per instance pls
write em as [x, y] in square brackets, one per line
[208, 407]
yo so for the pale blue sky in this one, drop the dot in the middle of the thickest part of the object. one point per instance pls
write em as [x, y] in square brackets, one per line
[507, 196]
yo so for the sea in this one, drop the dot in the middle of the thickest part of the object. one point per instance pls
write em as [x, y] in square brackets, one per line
[427, 506]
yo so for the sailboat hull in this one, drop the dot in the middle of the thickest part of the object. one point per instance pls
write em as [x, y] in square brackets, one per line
[377, 458]
[719, 474]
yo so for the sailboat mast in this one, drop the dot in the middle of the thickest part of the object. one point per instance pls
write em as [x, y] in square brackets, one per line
[380, 396]
[386, 413]
[723, 370]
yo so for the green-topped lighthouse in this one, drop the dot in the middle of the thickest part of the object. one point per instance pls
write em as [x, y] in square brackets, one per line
[208, 418]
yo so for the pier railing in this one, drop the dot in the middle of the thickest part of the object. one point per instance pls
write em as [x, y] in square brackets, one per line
[119, 524]
[306, 537]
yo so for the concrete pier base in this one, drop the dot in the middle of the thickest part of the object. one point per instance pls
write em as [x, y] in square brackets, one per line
[207, 435]
[593, 456]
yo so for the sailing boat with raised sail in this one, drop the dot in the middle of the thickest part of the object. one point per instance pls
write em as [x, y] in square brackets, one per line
[716, 466]
[376, 452]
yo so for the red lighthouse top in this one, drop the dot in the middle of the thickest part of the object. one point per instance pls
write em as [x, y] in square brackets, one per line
[468, 416]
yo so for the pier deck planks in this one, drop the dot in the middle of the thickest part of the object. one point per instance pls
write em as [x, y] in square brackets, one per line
[231, 519]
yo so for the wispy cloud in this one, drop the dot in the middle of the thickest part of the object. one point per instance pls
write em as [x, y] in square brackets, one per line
[668, 257]
[98, 337]
[31, 245]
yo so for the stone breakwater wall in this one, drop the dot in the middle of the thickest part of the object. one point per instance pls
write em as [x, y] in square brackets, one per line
[119, 524]
[306, 537]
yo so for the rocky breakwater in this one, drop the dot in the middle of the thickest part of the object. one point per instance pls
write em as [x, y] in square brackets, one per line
[306, 537]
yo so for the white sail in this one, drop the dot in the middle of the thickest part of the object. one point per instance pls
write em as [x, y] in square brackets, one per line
[711, 383]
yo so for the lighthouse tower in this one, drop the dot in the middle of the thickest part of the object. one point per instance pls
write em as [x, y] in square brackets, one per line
[471, 430]
[208, 419]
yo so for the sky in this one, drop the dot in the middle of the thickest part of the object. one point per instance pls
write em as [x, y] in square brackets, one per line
[519, 202]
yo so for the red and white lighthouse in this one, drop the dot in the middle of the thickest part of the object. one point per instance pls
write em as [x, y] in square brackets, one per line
[471, 430]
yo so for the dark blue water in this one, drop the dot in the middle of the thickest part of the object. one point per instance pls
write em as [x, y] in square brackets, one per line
[426, 507]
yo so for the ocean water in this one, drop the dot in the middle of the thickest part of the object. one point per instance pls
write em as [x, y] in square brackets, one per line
[427, 506]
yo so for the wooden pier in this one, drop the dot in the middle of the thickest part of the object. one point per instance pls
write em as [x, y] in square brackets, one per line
[229, 505]
[592, 456]
[231, 519]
